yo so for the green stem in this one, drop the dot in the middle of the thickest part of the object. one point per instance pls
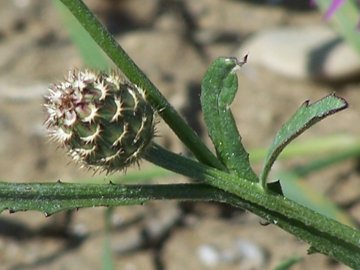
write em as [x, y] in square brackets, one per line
[109, 45]
[51, 198]
[325, 235]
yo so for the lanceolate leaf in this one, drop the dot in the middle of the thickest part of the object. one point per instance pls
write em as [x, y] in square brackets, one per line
[300, 191]
[295, 188]
[323, 234]
[218, 90]
[91, 54]
[306, 116]
[288, 263]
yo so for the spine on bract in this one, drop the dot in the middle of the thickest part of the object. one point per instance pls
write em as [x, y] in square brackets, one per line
[102, 119]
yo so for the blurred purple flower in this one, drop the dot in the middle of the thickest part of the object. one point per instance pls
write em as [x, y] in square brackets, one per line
[335, 5]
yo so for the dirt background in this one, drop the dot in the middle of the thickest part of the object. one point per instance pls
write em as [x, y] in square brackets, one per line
[174, 42]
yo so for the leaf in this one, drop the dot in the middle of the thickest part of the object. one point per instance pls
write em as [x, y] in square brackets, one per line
[325, 146]
[288, 263]
[107, 258]
[298, 190]
[218, 90]
[306, 116]
[91, 54]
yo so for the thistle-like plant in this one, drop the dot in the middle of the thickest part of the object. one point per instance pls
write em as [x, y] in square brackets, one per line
[107, 122]
[102, 119]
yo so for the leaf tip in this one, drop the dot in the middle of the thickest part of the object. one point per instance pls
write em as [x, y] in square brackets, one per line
[342, 100]
[243, 61]
[333, 102]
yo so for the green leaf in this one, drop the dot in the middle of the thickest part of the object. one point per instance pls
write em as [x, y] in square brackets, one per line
[288, 263]
[326, 145]
[306, 116]
[218, 90]
[107, 258]
[298, 190]
[319, 231]
[91, 54]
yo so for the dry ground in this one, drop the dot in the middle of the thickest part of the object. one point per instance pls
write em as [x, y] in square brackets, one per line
[174, 42]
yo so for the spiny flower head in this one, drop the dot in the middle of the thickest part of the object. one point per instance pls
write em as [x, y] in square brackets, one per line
[102, 119]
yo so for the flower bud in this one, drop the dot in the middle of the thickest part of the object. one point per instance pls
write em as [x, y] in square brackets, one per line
[102, 119]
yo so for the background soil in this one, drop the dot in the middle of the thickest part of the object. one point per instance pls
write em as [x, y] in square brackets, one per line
[174, 42]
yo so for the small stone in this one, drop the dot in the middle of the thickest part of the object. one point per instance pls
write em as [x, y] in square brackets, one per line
[80, 230]
[252, 256]
[311, 52]
[243, 253]
[209, 255]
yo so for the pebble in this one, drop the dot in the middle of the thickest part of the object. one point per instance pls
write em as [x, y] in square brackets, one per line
[243, 253]
[209, 255]
[311, 52]
[80, 230]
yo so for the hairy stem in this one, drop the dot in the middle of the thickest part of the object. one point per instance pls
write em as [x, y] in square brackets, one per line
[325, 235]
[50, 198]
[109, 45]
